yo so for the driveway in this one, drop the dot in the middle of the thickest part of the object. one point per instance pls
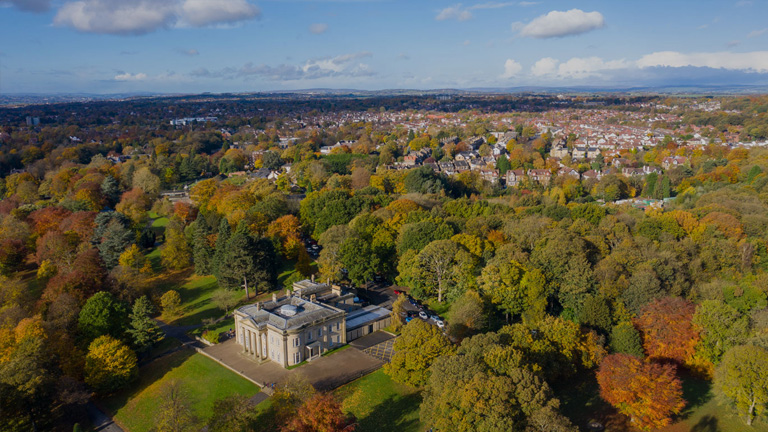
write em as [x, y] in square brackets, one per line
[100, 421]
[324, 373]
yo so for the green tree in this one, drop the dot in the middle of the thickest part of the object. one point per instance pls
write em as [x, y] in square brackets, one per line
[418, 346]
[467, 315]
[626, 339]
[249, 262]
[500, 280]
[203, 251]
[418, 235]
[115, 240]
[109, 365]
[222, 238]
[649, 190]
[144, 331]
[101, 315]
[271, 161]
[503, 165]
[225, 299]
[442, 265]
[233, 414]
[722, 328]
[741, 381]
[360, 260]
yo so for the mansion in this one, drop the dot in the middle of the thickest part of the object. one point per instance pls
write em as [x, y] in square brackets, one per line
[301, 326]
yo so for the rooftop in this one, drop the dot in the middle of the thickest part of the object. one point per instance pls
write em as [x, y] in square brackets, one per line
[288, 313]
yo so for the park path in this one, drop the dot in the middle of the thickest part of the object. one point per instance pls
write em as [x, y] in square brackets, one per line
[101, 422]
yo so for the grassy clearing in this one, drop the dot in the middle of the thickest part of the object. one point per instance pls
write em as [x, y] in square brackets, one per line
[381, 404]
[442, 309]
[196, 302]
[203, 380]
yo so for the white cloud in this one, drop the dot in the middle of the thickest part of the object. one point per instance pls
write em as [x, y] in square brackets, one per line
[190, 52]
[133, 17]
[528, 3]
[559, 24]
[345, 65]
[511, 68]
[201, 13]
[318, 28]
[757, 33]
[756, 61]
[28, 5]
[545, 66]
[585, 67]
[454, 12]
[130, 77]
[460, 13]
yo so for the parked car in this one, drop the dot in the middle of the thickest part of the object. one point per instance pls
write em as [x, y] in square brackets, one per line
[439, 323]
[434, 317]
[412, 301]
[408, 319]
[398, 292]
[423, 315]
[412, 313]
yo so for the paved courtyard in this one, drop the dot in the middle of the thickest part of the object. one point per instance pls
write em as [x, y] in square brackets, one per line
[382, 351]
[324, 373]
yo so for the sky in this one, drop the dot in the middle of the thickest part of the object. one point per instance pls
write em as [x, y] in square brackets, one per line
[193, 46]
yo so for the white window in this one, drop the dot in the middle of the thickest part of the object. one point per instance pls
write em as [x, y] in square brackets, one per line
[337, 326]
[296, 358]
[320, 332]
[296, 341]
[309, 335]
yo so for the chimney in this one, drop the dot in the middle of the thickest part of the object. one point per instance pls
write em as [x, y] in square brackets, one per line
[287, 292]
[336, 289]
[258, 306]
[274, 297]
[313, 277]
[312, 298]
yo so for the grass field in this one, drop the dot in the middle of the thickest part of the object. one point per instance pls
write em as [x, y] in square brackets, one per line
[381, 405]
[203, 380]
[196, 300]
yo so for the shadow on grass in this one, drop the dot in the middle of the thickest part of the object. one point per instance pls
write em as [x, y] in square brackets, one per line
[389, 415]
[707, 423]
[696, 392]
[148, 375]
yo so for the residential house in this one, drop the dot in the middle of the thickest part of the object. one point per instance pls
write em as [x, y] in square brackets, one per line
[673, 161]
[514, 177]
[542, 176]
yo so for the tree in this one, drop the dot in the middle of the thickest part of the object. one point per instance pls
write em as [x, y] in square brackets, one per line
[134, 204]
[249, 262]
[224, 233]
[398, 308]
[500, 280]
[320, 413]
[271, 161]
[114, 240]
[12, 256]
[467, 315]
[203, 249]
[722, 328]
[224, 299]
[418, 235]
[144, 330]
[360, 260]
[626, 339]
[667, 329]
[233, 413]
[109, 365]
[146, 181]
[103, 314]
[741, 380]
[175, 414]
[649, 393]
[170, 302]
[418, 346]
[175, 253]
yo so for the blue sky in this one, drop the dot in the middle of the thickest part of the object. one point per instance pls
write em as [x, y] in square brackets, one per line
[111, 46]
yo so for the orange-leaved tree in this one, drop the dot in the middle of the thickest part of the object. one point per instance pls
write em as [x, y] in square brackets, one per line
[648, 393]
[668, 331]
[320, 413]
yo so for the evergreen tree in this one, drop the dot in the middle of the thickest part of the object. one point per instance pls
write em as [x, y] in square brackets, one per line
[110, 188]
[246, 261]
[503, 165]
[221, 246]
[144, 330]
[203, 252]
[103, 314]
[664, 188]
[650, 185]
[115, 241]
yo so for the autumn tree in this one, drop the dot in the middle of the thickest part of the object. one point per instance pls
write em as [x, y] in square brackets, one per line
[175, 413]
[626, 339]
[648, 393]
[398, 309]
[134, 204]
[109, 365]
[233, 413]
[321, 413]
[667, 329]
[468, 315]
[418, 346]
[741, 381]
[171, 303]
[175, 253]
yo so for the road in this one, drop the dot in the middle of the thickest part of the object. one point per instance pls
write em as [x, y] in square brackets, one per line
[100, 421]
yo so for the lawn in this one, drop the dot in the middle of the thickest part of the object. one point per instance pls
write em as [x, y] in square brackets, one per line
[203, 380]
[158, 225]
[196, 302]
[381, 404]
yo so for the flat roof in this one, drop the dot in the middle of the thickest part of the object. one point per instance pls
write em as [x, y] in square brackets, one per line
[364, 316]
